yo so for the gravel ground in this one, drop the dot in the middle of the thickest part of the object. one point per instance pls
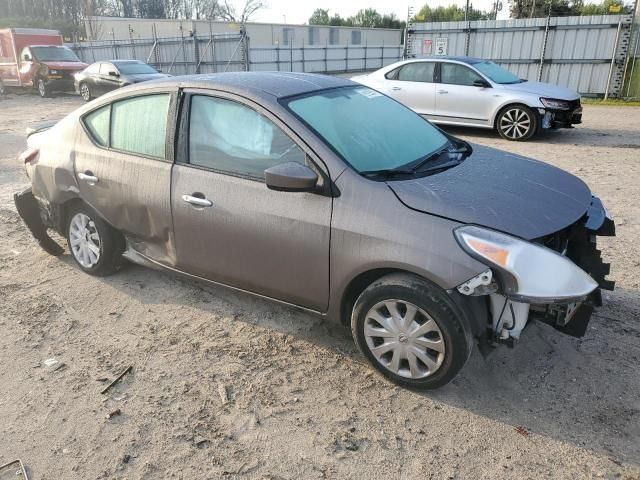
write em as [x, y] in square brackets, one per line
[227, 385]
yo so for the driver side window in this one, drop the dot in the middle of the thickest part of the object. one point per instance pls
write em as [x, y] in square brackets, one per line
[456, 74]
[233, 138]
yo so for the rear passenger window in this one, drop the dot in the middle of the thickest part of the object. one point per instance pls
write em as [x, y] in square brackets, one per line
[97, 123]
[139, 125]
[230, 137]
[417, 72]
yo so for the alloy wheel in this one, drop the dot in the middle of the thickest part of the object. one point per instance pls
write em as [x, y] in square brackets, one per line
[84, 240]
[515, 123]
[84, 91]
[404, 339]
[42, 88]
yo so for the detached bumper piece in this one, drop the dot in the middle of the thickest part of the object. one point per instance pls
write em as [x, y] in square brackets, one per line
[563, 118]
[579, 243]
[29, 210]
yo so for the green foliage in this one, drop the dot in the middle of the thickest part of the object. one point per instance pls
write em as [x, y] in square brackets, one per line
[452, 13]
[66, 27]
[563, 8]
[367, 17]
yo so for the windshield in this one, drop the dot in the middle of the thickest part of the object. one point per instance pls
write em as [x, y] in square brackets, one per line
[496, 72]
[367, 129]
[135, 68]
[54, 54]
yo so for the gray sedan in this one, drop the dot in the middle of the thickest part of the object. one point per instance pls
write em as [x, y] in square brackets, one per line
[472, 92]
[325, 195]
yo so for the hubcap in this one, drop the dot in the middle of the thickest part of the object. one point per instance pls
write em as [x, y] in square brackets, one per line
[404, 339]
[84, 240]
[85, 92]
[515, 123]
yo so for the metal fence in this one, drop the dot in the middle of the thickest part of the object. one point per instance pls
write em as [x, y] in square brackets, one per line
[231, 52]
[587, 54]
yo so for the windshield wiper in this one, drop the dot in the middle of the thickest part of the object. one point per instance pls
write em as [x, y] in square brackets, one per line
[387, 172]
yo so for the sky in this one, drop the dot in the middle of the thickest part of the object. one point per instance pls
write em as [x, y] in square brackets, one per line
[299, 11]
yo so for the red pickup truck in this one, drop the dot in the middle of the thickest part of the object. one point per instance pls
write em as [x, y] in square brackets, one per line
[37, 58]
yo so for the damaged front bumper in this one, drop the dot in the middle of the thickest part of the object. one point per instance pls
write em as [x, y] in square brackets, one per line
[567, 308]
[31, 213]
[553, 118]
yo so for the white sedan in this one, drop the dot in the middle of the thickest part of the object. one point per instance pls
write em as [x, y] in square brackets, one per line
[473, 92]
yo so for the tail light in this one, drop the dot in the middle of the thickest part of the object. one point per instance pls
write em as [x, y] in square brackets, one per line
[29, 154]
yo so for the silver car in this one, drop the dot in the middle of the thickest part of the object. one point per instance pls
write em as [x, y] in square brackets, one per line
[472, 92]
[326, 195]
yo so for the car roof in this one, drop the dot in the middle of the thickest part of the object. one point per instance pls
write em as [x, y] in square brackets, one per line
[461, 58]
[261, 84]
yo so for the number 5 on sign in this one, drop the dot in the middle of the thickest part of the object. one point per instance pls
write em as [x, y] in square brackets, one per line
[441, 46]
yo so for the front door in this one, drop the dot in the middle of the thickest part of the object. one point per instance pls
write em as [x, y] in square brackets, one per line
[124, 172]
[229, 227]
[458, 99]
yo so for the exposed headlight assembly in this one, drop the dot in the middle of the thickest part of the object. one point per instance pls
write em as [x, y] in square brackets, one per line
[528, 272]
[555, 103]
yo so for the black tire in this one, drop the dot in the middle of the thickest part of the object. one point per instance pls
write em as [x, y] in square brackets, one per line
[2, 90]
[110, 244]
[85, 92]
[42, 88]
[517, 123]
[430, 299]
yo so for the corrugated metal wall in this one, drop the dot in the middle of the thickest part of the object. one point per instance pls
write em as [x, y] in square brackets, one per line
[576, 52]
[217, 53]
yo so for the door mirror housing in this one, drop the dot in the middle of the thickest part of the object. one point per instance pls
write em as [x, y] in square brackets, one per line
[113, 74]
[291, 177]
[481, 83]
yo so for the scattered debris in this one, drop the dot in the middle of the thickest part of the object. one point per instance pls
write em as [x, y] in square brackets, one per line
[16, 466]
[115, 413]
[522, 430]
[222, 391]
[53, 364]
[200, 442]
[118, 378]
[126, 458]
[50, 362]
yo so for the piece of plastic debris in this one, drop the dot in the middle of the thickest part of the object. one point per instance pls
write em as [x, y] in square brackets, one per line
[115, 413]
[118, 378]
[17, 466]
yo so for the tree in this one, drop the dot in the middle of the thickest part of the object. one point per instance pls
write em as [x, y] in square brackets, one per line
[319, 16]
[368, 17]
[228, 12]
[452, 13]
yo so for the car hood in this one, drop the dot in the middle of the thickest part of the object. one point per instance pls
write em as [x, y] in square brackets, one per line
[502, 191]
[543, 89]
[66, 65]
[144, 77]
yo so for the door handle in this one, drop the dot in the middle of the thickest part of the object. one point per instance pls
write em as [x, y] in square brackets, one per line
[396, 88]
[197, 201]
[88, 177]
[442, 92]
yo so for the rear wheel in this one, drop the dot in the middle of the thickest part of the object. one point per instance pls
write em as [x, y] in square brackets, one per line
[95, 245]
[85, 91]
[43, 90]
[517, 123]
[410, 330]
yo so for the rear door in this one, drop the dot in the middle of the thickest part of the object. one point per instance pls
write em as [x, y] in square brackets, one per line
[108, 79]
[123, 169]
[412, 84]
[229, 227]
[458, 100]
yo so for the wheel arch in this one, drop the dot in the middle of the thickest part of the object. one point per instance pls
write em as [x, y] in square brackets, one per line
[512, 103]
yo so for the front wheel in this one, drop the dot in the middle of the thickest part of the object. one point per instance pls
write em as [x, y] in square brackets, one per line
[95, 245]
[43, 89]
[517, 123]
[411, 331]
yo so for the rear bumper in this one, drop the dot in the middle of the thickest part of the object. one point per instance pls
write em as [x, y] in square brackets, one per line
[29, 210]
[60, 84]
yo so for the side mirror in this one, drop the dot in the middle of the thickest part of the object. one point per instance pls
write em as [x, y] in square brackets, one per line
[113, 74]
[481, 83]
[26, 58]
[290, 177]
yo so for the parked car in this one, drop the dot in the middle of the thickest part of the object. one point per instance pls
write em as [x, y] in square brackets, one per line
[101, 77]
[36, 58]
[321, 193]
[472, 92]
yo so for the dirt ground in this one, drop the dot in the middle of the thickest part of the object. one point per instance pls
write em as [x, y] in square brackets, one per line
[224, 384]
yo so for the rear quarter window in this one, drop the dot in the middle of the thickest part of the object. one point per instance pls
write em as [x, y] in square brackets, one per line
[97, 122]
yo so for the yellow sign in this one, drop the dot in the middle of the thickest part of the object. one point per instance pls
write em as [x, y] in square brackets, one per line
[615, 8]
